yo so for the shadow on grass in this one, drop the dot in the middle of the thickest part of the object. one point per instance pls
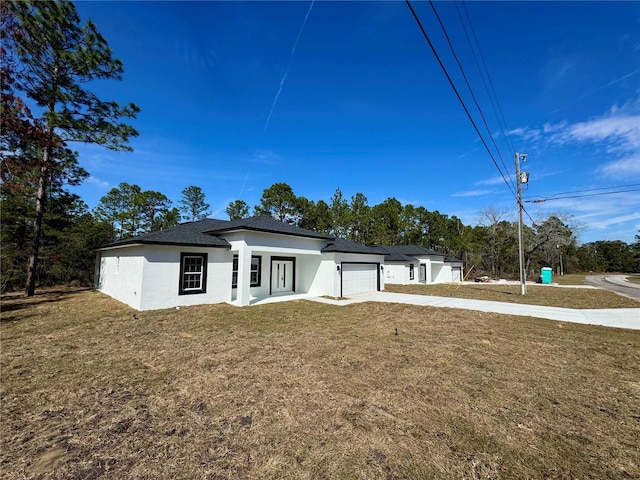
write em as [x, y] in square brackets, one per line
[14, 301]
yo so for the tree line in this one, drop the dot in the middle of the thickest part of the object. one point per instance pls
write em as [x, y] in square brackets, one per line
[71, 231]
[48, 59]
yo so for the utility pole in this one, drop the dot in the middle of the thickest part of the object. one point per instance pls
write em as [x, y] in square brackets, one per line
[521, 177]
[559, 247]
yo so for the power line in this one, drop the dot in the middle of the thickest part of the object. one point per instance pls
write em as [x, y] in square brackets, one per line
[593, 190]
[581, 196]
[446, 73]
[466, 81]
[484, 71]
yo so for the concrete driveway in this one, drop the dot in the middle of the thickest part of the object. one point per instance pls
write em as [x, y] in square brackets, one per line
[612, 317]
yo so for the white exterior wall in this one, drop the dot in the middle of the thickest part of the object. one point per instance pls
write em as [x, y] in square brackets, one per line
[437, 271]
[276, 244]
[434, 265]
[120, 275]
[397, 273]
[310, 277]
[161, 277]
[327, 277]
[400, 273]
[445, 274]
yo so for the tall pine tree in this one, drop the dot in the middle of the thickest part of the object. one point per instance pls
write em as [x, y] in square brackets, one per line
[55, 56]
[193, 204]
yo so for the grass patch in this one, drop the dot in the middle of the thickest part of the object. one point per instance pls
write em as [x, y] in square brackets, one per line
[536, 294]
[570, 279]
[305, 390]
[634, 279]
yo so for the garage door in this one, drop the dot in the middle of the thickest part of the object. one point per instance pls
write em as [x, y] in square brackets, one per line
[359, 278]
[456, 274]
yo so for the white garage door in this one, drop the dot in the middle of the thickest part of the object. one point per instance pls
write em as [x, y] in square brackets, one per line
[456, 274]
[359, 278]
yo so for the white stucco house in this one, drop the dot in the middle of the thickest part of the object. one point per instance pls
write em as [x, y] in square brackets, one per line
[239, 262]
[409, 264]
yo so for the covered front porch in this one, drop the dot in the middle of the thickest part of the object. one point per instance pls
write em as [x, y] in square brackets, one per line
[266, 276]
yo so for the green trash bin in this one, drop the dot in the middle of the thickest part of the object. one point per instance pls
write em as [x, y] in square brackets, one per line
[547, 274]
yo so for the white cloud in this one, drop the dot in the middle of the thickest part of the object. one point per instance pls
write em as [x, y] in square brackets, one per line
[623, 168]
[607, 222]
[615, 133]
[618, 130]
[472, 193]
[526, 133]
[497, 180]
[621, 132]
[97, 182]
[265, 157]
[599, 217]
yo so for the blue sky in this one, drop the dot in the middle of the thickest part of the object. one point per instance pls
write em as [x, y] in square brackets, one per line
[236, 96]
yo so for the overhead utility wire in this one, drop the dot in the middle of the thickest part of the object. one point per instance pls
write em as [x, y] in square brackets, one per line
[446, 73]
[475, 101]
[592, 190]
[480, 109]
[581, 196]
[484, 71]
[426, 36]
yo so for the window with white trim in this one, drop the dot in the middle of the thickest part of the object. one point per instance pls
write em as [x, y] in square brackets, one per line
[256, 271]
[412, 274]
[193, 273]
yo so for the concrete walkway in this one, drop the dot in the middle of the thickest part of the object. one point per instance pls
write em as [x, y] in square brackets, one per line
[611, 317]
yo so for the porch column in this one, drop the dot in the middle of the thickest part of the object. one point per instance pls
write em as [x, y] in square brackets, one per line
[429, 278]
[244, 275]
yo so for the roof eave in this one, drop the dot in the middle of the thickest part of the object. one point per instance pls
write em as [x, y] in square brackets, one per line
[138, 243]
[266, 230]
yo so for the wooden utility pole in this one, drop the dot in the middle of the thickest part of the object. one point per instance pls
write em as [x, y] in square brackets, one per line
[520, 176]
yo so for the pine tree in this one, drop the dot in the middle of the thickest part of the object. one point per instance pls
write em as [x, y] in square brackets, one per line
[55, 57]
[193, 204]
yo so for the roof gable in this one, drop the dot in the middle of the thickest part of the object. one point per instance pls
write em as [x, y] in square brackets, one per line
[410, 250]
[268, 225]
[205, 232]
[347, 246]
[186, 234]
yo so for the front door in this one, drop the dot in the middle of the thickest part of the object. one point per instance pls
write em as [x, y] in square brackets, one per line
[423, 273]
[282, 276]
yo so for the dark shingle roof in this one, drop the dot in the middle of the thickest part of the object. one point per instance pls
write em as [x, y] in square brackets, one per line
[266, 224]
[205, 232]
[347, 246]
[187, 234]
[410, 250]
[398, 257]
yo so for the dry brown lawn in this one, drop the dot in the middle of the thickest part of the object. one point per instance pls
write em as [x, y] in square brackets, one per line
[91, 389]
[634, 278]
[510, 293]
[570, 279]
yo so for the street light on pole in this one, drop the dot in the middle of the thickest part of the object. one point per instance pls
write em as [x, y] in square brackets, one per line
[521, 177]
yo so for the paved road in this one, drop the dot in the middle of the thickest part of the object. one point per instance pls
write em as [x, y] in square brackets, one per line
[617, 284]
